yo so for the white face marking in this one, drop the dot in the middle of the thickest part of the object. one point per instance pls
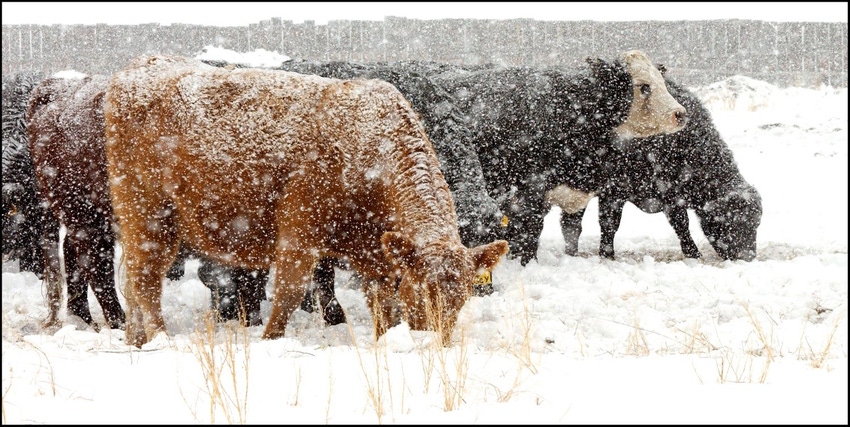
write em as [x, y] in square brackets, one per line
[568, 199]
[653, 110]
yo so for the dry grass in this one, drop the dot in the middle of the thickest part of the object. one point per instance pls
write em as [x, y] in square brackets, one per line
[374, 381]
[740, 367]
[734, 367]
[225, 368]
[764, 338]
[51, 375]
[453, 371]
[697, 341]
[449, 363]
[453, 362]
[636, 344]
[3, 400]
[817, 358]
[522, 352]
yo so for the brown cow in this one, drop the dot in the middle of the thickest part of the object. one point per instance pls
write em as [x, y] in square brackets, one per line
[339, 168]
[66, 147]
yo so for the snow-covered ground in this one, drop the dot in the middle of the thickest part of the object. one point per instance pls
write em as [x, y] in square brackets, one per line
[648, 338]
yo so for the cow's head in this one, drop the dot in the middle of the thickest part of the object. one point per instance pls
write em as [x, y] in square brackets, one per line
[730, 223]
[436, 280]
[653, 110]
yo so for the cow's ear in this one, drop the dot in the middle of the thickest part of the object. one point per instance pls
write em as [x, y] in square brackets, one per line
[598, 67]
[487, 256]
[662, 68]
[398, 249]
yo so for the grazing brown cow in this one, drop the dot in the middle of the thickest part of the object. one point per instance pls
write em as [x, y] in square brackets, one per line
[339, 168]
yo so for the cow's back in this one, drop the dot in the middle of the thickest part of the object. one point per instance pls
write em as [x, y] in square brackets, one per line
[215, 145]
[67, 141]
[223, 147]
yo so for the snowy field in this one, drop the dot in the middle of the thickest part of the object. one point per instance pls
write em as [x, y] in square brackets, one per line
[648, 338]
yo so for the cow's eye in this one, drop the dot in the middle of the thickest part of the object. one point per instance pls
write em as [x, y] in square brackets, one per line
[645, 89]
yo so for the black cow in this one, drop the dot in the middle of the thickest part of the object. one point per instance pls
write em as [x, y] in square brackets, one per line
[524, 130]
[23, 216]
[535, 129]
[689, 169]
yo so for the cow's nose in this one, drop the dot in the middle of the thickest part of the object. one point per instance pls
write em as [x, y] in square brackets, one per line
[681, 117]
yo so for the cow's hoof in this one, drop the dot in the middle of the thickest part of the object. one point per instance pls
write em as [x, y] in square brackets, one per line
[253, 319]
[308, 304]
[333, 314]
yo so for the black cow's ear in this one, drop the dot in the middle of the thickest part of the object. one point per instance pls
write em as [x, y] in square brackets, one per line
[596, 65]
[662, 68]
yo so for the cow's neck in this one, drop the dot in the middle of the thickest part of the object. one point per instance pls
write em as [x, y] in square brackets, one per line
[422, 207]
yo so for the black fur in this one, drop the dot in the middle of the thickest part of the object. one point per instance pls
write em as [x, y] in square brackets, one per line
[534, 129]
[23, 217]
[689, 169]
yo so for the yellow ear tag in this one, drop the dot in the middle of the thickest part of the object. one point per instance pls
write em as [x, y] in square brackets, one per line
[483, 278]
[482, 284]
[504, 221]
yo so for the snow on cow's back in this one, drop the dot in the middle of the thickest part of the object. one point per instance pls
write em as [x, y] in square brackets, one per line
[214, 111]
[83, 115]
[215, 115]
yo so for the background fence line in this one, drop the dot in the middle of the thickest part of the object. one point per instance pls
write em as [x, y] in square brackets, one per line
[806, 54]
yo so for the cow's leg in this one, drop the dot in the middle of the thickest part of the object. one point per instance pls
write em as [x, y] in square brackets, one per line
[52, 275]
[323, 293]
[571, 229]
[178, 268]
[610, 213]
[223, 289]
[31, 254]
[332, 312]
[251, 288]
[100, 251]
[526, 223]
[150, 244]
[381, 297]
[678, 217]
[293, 272]
[78, 292]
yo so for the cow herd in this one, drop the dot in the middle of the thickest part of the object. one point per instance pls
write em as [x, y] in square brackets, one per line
[418, 176]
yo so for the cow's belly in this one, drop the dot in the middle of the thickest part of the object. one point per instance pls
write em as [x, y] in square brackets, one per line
[568, 199]
[228, 216]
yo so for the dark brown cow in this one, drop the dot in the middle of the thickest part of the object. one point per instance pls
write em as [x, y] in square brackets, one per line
[339, 168]
[66, 140]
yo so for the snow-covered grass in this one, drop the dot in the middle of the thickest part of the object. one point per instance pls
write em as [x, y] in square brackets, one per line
[650, 337]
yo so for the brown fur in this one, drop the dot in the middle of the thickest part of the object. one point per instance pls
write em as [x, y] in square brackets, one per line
[339, 168]
[66, 137]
